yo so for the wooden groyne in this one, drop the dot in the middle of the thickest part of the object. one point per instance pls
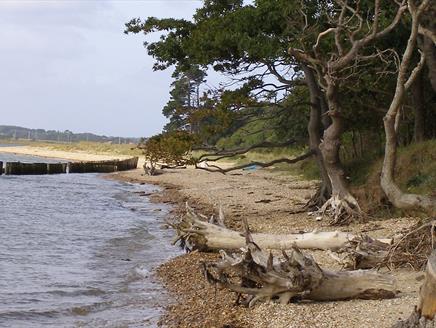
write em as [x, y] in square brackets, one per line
[18, 168]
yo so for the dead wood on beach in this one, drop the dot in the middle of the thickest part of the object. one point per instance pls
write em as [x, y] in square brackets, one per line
[196, 231]
[257, 276]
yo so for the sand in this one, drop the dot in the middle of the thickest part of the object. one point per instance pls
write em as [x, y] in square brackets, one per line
[267, 200]
[67, 155]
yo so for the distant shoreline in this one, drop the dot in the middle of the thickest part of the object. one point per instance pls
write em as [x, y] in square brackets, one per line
[65, 155]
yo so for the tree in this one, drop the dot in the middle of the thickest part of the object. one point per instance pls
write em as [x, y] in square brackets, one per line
[170, 149]
[391, 119]
[248, 42]
[339, 50]
[336, 55]
[185, 99]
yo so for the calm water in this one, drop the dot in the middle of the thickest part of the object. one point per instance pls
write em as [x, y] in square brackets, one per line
[77, 250]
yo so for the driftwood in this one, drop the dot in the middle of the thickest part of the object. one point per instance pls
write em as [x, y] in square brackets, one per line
[414, 247]
[258, 276]
[424, 313]
[362, 252]
[151, 168]
[353, 252]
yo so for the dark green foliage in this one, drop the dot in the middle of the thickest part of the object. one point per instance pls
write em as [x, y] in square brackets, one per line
[171, 148]
[250, 41]
[185, 99]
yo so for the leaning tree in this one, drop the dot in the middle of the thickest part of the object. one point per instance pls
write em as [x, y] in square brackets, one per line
[339, 49]
[405, 78]
[248, 43]
[337, 54]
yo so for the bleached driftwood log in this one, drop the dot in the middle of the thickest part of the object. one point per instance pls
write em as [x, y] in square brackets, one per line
[423, 314]
[361, 251]
[149, 168]
[259, 276]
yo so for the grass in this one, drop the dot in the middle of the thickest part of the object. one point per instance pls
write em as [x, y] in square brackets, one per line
[98, 148]
[415, 173]
[85, 146]
[307, 169]
[415, 168]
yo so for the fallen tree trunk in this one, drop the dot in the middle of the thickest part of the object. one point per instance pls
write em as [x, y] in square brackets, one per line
[361, 251]
[257, 276]
[423, 314]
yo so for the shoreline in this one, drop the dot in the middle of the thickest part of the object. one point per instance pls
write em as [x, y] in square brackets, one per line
[179, 274]
[59, 154]
[266, 199]
[198, 304]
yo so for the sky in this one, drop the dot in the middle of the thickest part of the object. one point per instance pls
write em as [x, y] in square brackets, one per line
[67, 65]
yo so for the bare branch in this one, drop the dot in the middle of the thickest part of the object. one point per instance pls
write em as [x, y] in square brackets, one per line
[415, 72]
[215, 168]
[321, 35]
[428, 33]
[361, 43]
[272, 69]
[229, 153]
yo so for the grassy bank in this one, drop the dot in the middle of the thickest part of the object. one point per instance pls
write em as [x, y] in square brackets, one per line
[415, 173]
[82, 146]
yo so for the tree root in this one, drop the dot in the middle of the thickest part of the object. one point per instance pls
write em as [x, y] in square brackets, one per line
[342, 211]
[362, 252]
[317, 200]
[257, 276]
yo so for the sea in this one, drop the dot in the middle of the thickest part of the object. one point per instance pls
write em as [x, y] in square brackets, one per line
[79, 250]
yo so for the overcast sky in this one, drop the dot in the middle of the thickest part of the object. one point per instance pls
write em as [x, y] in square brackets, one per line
[67, 65]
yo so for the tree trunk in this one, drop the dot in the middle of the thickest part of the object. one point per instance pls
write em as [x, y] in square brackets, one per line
[196, 233]
[342, 206]
[418, 109]
[429, 49]
[295, 276]
[424, 313]
[391, 189]
[314, 129]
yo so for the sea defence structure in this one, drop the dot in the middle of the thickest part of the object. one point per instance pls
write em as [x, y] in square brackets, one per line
[19, 168]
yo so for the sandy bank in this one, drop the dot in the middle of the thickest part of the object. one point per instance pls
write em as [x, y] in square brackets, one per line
[67, 155]
[266, 199]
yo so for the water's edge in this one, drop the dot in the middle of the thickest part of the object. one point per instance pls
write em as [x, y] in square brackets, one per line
[116, 254]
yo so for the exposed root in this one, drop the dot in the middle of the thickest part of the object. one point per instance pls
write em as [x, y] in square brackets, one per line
[317, 200]
[192, 228]
[342, 211]
[149, 168]
[258, 276]
[415, 321]
[362, 252]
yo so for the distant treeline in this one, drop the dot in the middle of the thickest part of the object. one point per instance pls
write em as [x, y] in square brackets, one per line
[18, 132]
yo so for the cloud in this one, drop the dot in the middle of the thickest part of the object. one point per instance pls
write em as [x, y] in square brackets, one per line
[52, 13]
[68, 65]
